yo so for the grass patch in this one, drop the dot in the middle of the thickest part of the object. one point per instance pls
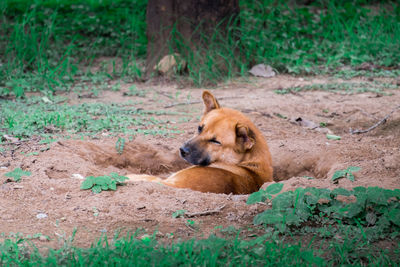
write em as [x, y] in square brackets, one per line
[39, 116]
[50, 45]
[344, 88]
[367, 214]
[212, 251]
[322, 37]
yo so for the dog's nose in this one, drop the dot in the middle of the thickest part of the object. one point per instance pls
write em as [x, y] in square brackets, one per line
[184, 151]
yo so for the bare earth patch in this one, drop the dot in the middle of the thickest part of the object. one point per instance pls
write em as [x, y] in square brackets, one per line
[303, 157]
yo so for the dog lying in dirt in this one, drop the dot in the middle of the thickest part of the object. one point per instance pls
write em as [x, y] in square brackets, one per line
[229, 153]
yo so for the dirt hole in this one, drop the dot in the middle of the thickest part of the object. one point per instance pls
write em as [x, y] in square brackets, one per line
[318, 165]
[99, 158]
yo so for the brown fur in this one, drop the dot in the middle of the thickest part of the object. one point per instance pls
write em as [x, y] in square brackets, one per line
[230, 154]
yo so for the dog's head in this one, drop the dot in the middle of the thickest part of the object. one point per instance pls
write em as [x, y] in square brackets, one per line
[223, 136]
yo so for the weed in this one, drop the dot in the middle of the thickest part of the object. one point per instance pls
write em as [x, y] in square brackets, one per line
[280, 116]
[192, 224]
[17, 173]
[133, 91]
[178, 213]
[333, 137]
[47, 140]
[373, 211]
[263, 195]
[119, 145]
[106, 182]
[347, 173]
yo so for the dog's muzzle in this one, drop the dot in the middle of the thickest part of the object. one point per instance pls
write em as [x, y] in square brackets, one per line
[193, 155]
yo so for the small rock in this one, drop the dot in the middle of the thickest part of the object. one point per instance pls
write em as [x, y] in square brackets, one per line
[77, 176]
[41, 216]
[261, 70]
[169, 62]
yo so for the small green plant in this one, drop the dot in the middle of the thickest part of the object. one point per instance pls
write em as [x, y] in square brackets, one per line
[192, 224]
[119, 145]
[280, 116]
[17, 173]
[116, 87]
[347, 173]
[95, 212]
[47, 140]
[178, 213]
[106, 182]
[263, 195]
[134, 91]
[333, 137]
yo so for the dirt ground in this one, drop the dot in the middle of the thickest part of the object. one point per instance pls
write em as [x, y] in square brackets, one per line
[53, 189]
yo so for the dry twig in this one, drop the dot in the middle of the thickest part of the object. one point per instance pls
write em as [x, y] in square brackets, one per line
[204, 213]
[376, 124]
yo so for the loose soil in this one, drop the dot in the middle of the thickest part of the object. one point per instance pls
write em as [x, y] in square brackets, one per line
[303, 157]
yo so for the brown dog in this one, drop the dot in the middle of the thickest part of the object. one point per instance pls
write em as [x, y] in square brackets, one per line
[230, 154]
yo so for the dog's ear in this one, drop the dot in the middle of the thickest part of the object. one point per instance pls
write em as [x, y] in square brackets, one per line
[210, 102]
[245, 136]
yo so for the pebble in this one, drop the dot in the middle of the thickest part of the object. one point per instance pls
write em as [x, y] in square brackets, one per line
[41, 215]
[77, 176]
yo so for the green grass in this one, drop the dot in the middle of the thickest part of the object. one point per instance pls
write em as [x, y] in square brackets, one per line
[343, 88]
[212, 251]
[322, 37]
[37, 116]
[50, 45]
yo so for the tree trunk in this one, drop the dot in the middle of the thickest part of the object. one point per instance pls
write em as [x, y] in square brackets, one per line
[186, 20]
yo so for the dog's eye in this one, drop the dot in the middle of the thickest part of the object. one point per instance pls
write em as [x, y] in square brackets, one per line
[200, 128]
[213, 140]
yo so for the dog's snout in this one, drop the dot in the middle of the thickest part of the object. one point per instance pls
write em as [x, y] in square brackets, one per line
[184, 150]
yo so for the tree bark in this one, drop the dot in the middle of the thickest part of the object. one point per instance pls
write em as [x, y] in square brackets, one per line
[171, 22]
